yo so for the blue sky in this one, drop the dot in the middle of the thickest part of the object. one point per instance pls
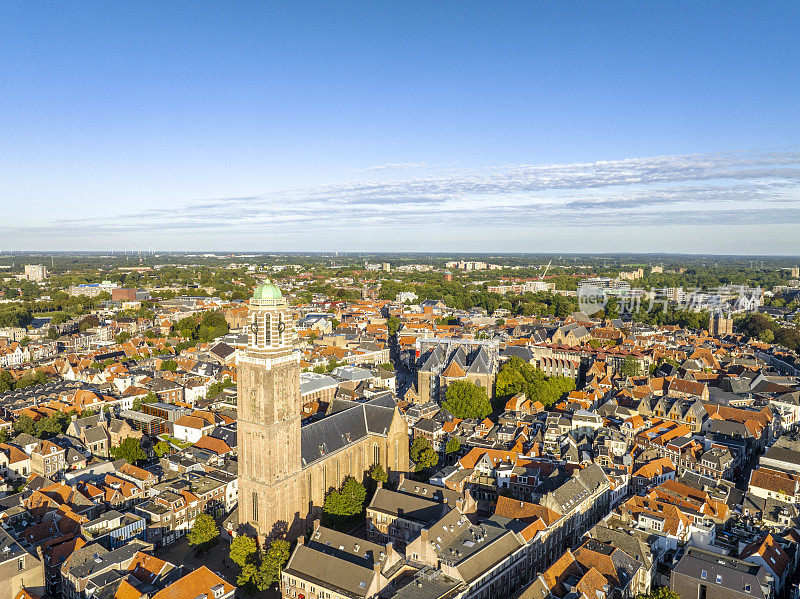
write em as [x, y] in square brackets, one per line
[558, 126]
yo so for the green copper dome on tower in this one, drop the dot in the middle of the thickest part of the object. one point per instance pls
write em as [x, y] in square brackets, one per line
[267, 291]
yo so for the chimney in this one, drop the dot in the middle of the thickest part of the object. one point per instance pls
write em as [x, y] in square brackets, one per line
[380, 484]
[301, 540]
[401, 479]
[389, 549]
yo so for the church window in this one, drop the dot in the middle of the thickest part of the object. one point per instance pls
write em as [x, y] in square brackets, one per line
[376, 454]
[254, 330]
[267, 329]
[324, 479]
[255, 506]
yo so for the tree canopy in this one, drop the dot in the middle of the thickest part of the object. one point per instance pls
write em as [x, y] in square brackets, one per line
[205, 328]
[378, 474]
[517, 376]
[464, 399]
[764, 328]
[272, 562]
[203, 532]
[660, 593]
[422, 454]
[630, 367]
[453, 445]
[129, 450]
[243, 549]
[347, 501]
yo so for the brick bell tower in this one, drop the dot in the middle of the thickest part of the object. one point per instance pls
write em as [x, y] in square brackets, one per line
[269, 412]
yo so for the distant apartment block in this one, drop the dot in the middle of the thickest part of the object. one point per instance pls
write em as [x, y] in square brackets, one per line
[527, 287]
[35, 272]
[92, 289]
[124, 294]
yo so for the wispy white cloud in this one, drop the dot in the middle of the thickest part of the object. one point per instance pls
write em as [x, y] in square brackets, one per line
[729, 188]
[394, 166]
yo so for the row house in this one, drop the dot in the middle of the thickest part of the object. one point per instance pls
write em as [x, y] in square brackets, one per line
[48, 459]
[489, 558]
[336, 565]
[582, 500]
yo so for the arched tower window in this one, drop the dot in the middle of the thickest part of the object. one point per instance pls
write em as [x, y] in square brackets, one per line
[267, 329]
[281, 329]
[376, 454]
[254, 330]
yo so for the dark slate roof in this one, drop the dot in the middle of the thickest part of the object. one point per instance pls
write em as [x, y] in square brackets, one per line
[427, 425]
[789, 398]
[226, 433]
[734, 573]
[519, 351]
[332, 433]
[223, 350]
[379, 419]
[407, 506]
[480, 365]
[783, 454]
[94, 434]
[346, 423]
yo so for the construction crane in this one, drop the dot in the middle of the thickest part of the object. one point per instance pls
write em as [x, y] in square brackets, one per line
[545, 271]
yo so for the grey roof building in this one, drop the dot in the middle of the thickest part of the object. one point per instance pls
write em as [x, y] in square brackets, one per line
[707, 575]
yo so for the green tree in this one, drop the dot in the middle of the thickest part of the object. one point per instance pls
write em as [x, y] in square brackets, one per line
[378, 474]
[518, 376]
[52, 425]
[139, 401]
[243, 550]
[464, 399]
[129, 450]
[4, 436]
[203, 532]
[630, 367]
[271, 563]
[453, 445]
[660, 593]
[7, 381]
[122, 337]
[354, 495]
[25, 424]
[25, 341]
[393, 324]
[170, 365]
[345, 502]
[767, 336]
[216, 387]
[52, 333]
[162, 448]
[248, 577]
[422, 454]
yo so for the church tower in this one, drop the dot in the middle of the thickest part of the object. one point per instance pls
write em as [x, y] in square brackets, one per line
[269, 416]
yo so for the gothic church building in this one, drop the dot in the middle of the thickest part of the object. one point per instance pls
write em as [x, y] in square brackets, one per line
[286, 469]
